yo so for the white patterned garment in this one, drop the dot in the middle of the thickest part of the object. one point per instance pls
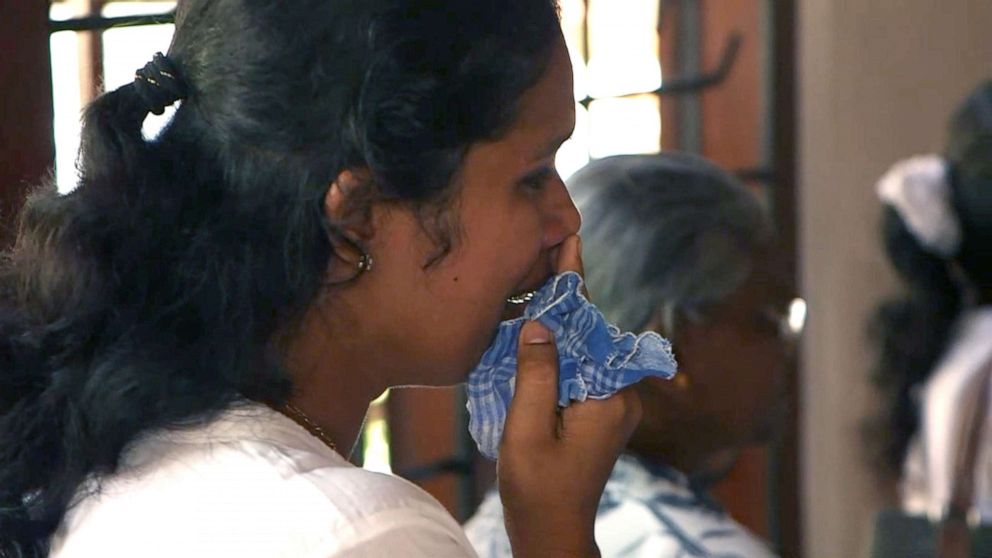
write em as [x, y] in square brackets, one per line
[646, 511]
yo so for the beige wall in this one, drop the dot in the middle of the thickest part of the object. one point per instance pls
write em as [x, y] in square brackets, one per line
[877, 81]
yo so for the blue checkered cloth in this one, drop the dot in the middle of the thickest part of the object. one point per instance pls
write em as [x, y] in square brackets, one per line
[595, 360]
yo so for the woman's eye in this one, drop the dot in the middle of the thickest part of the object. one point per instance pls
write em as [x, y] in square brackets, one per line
[538, 179]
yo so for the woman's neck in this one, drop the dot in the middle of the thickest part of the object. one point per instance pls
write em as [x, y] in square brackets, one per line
[334, 378]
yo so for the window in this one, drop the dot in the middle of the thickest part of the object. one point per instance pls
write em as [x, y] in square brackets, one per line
[614, 50]
[85, 63]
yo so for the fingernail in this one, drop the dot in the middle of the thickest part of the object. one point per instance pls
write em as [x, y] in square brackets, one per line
[535, 334]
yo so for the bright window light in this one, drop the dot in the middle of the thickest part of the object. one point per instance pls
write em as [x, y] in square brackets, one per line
[375, 437]
[65, 96]
[125, 50]
[623, 50]
[797, 316]
[623, 46]
[619, 126]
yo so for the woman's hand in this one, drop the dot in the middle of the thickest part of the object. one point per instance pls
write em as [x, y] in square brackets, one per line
[554, 463]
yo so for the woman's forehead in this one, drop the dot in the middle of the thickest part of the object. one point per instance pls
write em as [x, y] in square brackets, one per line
[546, 112]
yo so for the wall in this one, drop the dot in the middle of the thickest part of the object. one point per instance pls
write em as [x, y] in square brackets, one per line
[877, 81]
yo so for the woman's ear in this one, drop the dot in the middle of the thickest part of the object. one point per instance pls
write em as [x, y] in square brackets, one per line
[663, 323]
[348, 213]
[348, 203]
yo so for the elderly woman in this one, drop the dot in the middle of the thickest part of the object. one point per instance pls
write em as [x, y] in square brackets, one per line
[674, 244]
[346, 198]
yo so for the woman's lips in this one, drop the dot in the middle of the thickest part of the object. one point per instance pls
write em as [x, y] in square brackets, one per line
[517, 302]
[522, 298]
[527, 290]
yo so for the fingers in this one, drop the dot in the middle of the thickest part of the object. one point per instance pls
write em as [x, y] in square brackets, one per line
[532, 414]
[570, 259]
[615, 418]
[570, 256]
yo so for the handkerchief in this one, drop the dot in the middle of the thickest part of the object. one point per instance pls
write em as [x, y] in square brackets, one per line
[595, 359]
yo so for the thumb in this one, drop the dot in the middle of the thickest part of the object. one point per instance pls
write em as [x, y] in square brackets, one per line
[532, 417]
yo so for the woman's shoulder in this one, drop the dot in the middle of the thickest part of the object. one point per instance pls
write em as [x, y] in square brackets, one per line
[267, 448]
[274, 458]
[249, 475]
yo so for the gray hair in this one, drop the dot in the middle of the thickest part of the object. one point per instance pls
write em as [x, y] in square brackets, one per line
[667, 233]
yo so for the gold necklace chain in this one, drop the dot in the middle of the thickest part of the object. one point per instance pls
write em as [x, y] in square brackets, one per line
[301, 418]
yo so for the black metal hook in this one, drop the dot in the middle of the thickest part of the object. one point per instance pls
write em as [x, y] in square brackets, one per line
[99, 23]
[678, 85]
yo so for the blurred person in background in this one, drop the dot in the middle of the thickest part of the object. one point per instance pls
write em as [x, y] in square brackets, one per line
[936, 338]
[674, 244]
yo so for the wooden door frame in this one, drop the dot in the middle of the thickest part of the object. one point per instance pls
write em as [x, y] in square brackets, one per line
[27, 142]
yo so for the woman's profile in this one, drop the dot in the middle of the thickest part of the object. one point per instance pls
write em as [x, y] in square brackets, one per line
[676, 245]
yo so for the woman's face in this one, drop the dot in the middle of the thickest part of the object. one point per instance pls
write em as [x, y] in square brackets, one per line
[732, 390]
[511, 212]
[740, 387]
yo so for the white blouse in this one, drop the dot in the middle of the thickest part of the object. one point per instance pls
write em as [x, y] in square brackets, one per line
[253, 483]
[946, 404]
[647, 510]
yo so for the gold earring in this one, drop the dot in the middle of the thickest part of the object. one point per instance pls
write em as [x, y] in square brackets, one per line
[345, 253]
[365, 263]
[682, 381]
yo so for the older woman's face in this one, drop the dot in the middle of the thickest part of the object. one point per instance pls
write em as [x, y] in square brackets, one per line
[733, 365]
[511, 213]
[736, 361]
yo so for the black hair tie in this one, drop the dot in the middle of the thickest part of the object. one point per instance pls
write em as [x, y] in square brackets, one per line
[159, 84]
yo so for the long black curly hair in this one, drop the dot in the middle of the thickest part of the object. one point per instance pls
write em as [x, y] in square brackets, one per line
[151, 295]
[914, 330]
